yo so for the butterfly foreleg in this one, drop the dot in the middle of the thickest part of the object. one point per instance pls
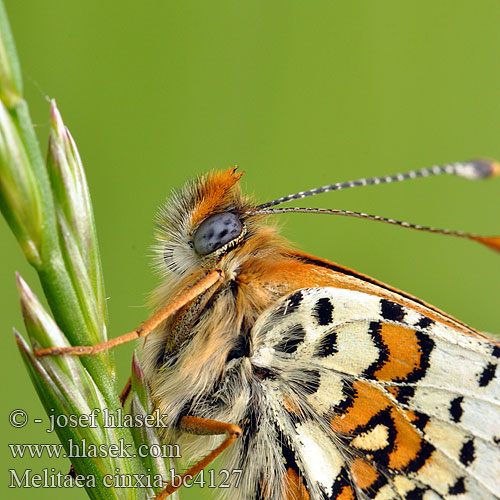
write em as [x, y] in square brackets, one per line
[145, 328]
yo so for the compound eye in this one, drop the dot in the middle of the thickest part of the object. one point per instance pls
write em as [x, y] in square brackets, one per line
[215, 232]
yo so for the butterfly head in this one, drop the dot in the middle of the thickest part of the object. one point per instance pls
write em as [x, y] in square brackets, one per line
[204, 221]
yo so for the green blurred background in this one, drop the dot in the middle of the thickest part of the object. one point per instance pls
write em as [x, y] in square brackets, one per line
[299, 94]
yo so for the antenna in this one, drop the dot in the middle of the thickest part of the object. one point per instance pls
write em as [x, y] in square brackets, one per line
[490, 241]
[472, 170]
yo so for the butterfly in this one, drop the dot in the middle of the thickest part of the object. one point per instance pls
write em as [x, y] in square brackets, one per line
[315, 381]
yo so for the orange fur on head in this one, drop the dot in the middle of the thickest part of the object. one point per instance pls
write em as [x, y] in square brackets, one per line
[218, 186]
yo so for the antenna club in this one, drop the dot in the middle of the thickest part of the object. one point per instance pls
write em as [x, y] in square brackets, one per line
[481, 168]
[490, 241]
[495, 166]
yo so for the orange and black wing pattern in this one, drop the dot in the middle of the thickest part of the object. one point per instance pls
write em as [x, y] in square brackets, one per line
[374, 399]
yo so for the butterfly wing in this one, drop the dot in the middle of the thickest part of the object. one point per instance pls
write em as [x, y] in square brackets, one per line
[373, 399]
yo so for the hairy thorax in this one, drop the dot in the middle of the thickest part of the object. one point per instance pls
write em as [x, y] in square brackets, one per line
[197, 363]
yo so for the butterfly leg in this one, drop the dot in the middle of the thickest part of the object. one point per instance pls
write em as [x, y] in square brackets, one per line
[125, 391]
[211, 279]
[203, 426]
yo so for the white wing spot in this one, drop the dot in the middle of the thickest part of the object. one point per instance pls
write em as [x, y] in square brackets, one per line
[374, 439]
